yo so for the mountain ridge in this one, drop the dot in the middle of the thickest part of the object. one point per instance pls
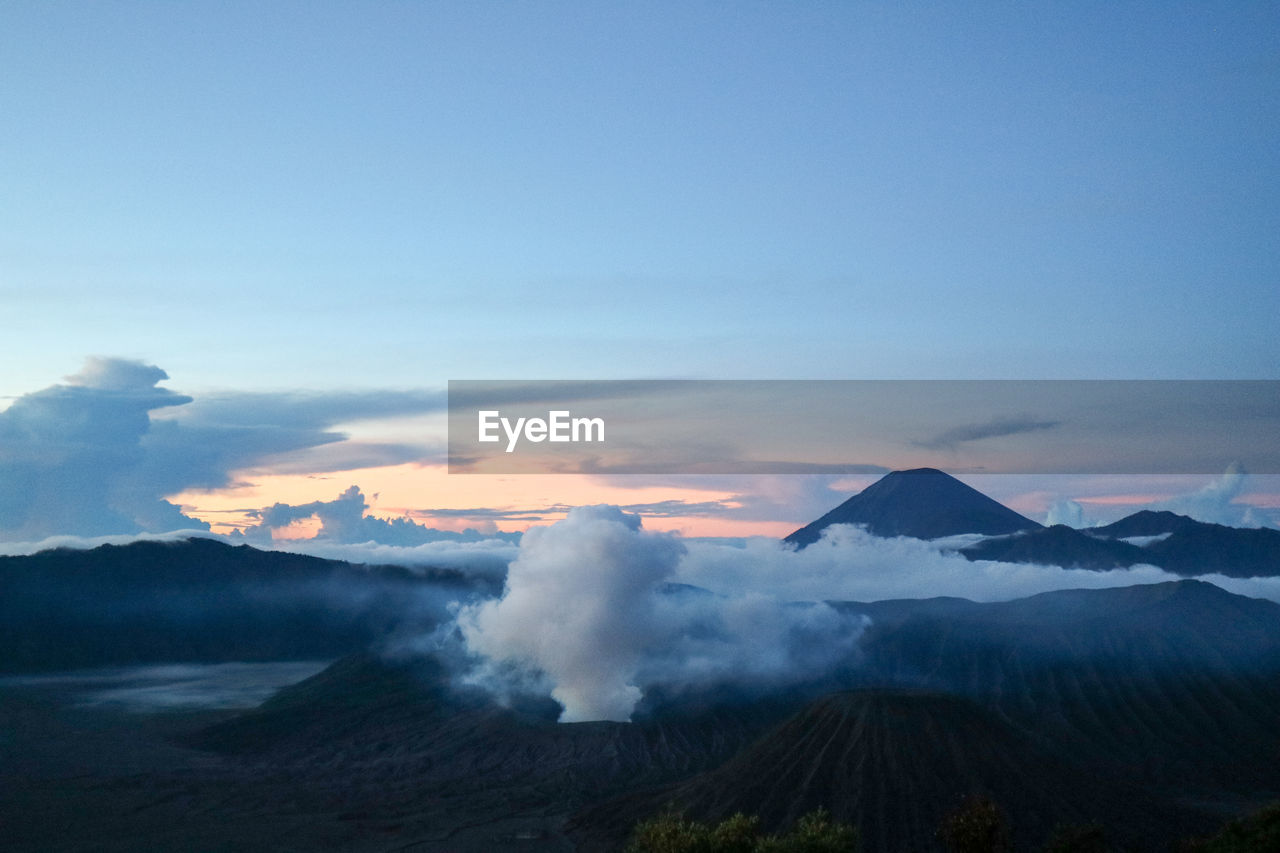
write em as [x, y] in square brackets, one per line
[893, 761]
[923, 503]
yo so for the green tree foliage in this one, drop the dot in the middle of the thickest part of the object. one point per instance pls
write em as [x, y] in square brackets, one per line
[813, 833]
[977, 826]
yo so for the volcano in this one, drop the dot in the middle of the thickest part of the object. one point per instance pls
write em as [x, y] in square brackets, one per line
[893, 763]
[923, 503]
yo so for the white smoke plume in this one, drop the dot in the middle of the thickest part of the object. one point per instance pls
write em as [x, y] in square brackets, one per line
[1067, 512]
[599, 609]
[579, 607]
[588, 605]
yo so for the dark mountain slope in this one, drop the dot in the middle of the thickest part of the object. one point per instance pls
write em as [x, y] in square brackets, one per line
[1152, 629]
[1144, 523]
[401, 726]
[1212, 548]
[928, 504]
[893, 763]
[1189, 547]
[1132, 707]
[1127, 706]
[924, 503]
[1174, 685]
[1059, 545]
[202, 600]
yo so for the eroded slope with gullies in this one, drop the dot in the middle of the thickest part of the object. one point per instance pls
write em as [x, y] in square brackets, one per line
[394, 742]
[893, 763]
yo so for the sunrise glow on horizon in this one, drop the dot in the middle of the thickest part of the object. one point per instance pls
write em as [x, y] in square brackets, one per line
[247, 247]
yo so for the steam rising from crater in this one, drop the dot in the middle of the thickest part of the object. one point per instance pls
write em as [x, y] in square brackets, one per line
[588, 604]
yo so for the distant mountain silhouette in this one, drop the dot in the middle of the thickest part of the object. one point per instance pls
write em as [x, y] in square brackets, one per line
[924, 503]
[1189, 547]
[204, 600]
[1145, 523]
[1209, 548]
[1118, 706]
[1197, 547]
[1059, 545]
[1001, 648]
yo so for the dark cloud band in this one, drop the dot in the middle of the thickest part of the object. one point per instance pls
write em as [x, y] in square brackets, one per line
[858, 427]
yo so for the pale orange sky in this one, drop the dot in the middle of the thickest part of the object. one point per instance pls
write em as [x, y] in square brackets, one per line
[406, 490]
[411, 489]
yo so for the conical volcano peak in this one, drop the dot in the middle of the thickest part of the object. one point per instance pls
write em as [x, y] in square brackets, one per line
[924, 503]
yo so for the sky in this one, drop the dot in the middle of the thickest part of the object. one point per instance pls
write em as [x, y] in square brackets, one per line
[310, 217]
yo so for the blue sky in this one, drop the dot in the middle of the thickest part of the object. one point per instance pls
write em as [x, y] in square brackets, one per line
[285, 196]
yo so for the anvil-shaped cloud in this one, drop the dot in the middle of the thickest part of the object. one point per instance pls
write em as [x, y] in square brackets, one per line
[89, 458]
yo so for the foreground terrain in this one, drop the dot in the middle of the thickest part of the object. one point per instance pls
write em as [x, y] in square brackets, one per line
[309, 712]
[1151, 711]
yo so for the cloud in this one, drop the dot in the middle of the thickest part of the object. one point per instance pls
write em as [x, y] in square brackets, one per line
[1215, 502]
[287, 432]
[579, 606]
[98, 454]
[494, 514]
[754, 497]
[849, 564]
[343, 520]
[73, 458]
[115, 374]
[599, 611]
[179, 687]
[673, 508]
[310, 409]
[16, 548]
[1066, 512]
[717, 427]
[351, 455]
[995, 428]
[589, 607]
[485, 558]
[1268, 588]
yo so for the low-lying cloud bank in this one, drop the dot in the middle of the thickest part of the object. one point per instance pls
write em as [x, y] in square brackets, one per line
[487, 558]
[849, 564]
[346, 519]
[20, 548]
[597, 608]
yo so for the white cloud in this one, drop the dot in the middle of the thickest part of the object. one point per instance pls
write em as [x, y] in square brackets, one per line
[1215, 502]
[344, 520]
[849, 564]
[1066, 512]
[587, 606]
[90, 458]
[21, 548]
[579, 606]
[486, 557]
